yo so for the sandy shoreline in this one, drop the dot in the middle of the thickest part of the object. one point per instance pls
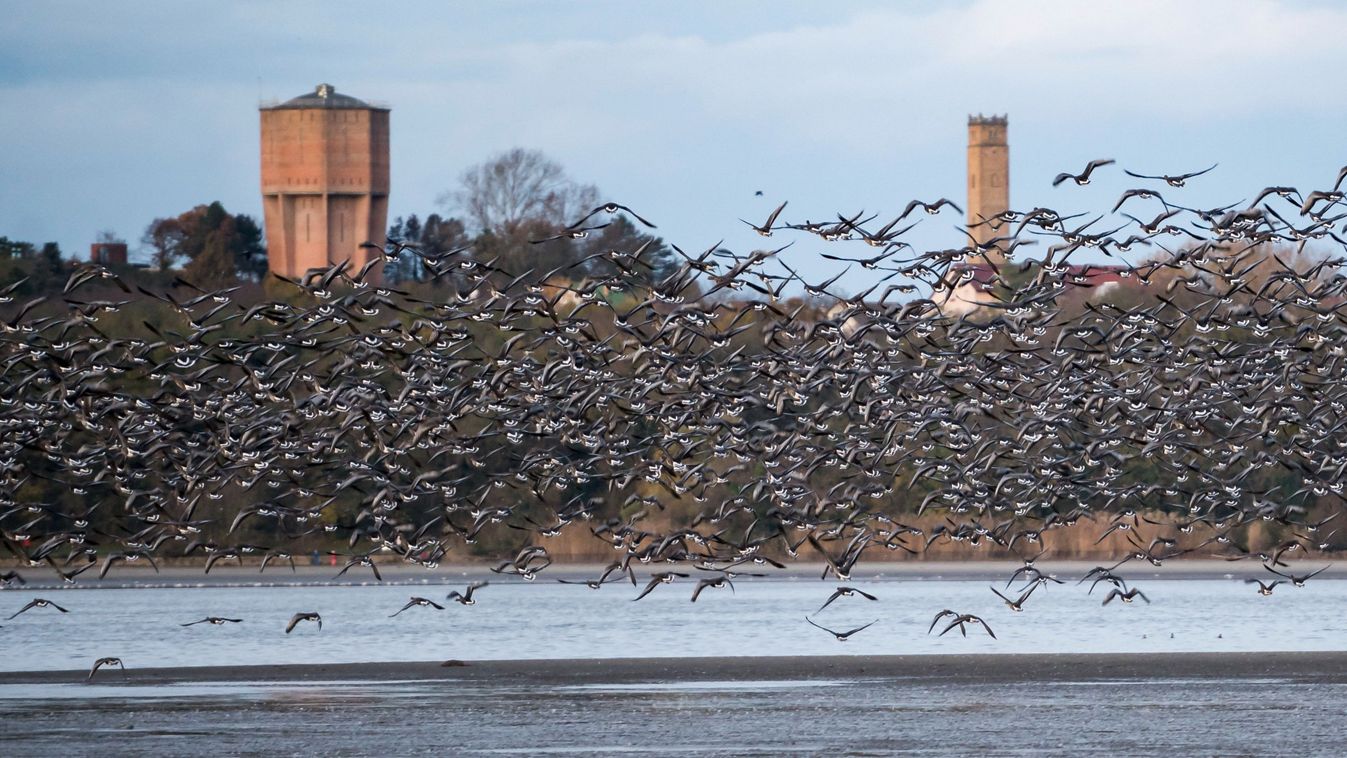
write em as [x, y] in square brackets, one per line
[1305, 667]
[124, 577]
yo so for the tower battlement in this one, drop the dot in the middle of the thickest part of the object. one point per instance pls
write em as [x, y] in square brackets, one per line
[988, 178]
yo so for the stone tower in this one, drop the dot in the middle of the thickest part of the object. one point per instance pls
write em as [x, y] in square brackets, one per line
[988, 176]
[324, 181]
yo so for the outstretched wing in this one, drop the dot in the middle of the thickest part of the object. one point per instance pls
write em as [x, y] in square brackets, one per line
[703, 584]
[824, 628]
[836, 594]
[859, 628]
[936, 620]
[648, 589]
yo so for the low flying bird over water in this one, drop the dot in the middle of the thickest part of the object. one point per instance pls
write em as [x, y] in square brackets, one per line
[128, 558]
[715, 582]
[961, 621]
[214, 621]
[526, 563]
[38, 603]
[1264, 589]
[1298, 579]
[303, 616]
[418, 601]
[614, 572]
[841, 636]
[663, 577]
[1126, 597]
[272, 555]
[361, 560]
[844, 592]
[101, 662]
[1104, 575]
[1018, 603]
[465, 597]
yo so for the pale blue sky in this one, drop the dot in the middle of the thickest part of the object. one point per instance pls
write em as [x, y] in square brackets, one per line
[114, 113]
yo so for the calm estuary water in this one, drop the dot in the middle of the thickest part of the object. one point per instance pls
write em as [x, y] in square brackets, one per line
[514, 619]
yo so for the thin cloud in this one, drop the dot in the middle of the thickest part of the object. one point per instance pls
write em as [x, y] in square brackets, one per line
[683, 111]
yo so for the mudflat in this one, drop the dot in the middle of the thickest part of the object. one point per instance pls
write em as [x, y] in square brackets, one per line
[1325, 667]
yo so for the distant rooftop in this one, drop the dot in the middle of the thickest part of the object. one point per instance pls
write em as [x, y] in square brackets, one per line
[324, 96]
[992, 120]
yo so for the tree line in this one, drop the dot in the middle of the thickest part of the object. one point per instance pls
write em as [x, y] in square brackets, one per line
[506, 205]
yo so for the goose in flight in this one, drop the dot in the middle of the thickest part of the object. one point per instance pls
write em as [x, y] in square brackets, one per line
[715, 582]
[844, 592]
[38, 603]
[611, 208]
[465, 597]
[1017, 604]
[361, 560]
[1126, 597]
[767, 227]
[421, 601]
[967, 618]
[302, 616]
[1298, 579]
[943, 614]
[841, 636]
[101, 662]
[1083, 177]
[656, 580]
[1264, 589]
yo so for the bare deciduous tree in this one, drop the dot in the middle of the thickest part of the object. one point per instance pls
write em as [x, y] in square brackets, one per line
[519, 187]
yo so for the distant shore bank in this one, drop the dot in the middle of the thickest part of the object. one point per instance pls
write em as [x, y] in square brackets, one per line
[141, 575]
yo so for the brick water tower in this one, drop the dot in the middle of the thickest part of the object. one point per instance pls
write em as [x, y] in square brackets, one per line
[324, 181]
[988, 177]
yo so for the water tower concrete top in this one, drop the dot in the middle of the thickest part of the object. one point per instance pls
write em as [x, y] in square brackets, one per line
[324, 96]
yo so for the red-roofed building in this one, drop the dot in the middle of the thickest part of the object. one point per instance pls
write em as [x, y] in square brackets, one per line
[108, 253]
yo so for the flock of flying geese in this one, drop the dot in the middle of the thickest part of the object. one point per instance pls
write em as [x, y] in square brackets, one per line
[723, 418]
